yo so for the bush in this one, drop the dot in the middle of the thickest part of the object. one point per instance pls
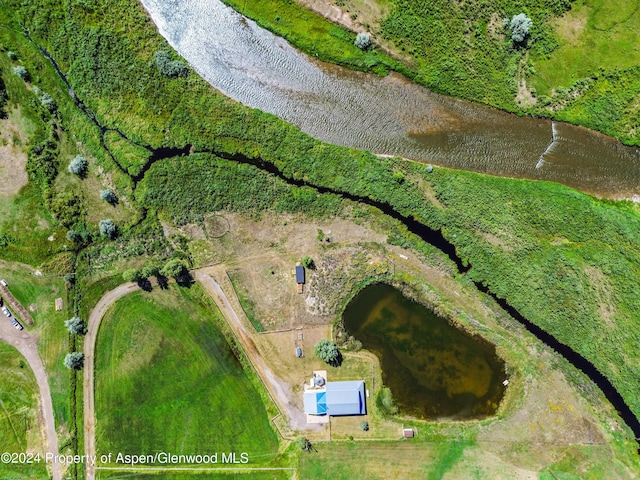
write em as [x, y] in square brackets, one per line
[364, 426]
[12, 55]
[78, 166]
[328, 352]
[22, 73]
[169, 68]
[48, 102]
[363, 41]
[74, 360]
[108, 229]
[76, 326]
[74, 236]
[109, 196]
[520, 26]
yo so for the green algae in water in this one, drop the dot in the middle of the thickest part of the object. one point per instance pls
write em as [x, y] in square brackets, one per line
[434, 370]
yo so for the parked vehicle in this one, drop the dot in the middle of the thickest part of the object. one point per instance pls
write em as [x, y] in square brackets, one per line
[6, 311]
[4, 282]
[16, 324]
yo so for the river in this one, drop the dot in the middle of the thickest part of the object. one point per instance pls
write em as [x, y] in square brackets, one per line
[390, 115]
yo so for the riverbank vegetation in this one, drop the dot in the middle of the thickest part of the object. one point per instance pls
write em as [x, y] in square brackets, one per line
[566, 261]
[578, 63]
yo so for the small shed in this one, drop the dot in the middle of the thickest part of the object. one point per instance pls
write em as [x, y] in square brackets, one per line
[299, 274]
[58, 303]
[408, 432]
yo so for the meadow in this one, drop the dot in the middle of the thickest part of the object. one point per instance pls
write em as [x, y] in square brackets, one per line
[166, 380]
[19, 427]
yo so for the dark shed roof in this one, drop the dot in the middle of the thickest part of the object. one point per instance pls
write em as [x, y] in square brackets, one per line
[299, 274]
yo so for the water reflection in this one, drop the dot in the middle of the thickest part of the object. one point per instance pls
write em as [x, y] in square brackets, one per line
[385, 115]
[433, 369]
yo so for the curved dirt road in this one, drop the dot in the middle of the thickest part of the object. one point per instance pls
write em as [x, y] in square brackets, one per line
[89, 349]
[27, 345]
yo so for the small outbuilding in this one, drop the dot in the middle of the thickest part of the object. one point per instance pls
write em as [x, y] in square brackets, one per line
[408, 433]
[299, 274]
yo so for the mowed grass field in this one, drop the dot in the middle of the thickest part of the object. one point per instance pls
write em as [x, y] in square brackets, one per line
[19, 428]
[167, 381]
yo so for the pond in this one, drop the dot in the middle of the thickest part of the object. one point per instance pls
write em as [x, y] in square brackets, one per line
[434, 370]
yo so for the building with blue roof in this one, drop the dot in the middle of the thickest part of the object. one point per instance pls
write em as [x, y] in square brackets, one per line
[336, 398]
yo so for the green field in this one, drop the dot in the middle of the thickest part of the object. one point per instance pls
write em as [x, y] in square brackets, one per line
[19, 428]
[167, 381]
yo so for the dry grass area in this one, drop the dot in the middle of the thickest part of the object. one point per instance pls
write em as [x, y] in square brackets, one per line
[13, 157]
[544, 420]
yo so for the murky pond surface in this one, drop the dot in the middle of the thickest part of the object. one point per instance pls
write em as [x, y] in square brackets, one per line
[386, 115]
[433, 369]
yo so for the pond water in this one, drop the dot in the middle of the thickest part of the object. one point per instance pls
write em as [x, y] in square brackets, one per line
[434, 370]
[389, 115]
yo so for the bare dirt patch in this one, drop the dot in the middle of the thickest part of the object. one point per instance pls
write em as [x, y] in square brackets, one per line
[570, 26]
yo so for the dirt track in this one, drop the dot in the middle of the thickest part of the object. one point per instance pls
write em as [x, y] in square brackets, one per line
[89, 349]
[27, 345]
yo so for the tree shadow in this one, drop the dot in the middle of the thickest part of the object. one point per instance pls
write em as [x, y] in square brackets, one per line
[163, 282]
[145, 284]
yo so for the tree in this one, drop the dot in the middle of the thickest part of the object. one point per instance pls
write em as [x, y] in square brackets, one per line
[74, 360]
[363, 41]
[76, 326]
[150, 270]
[174, 268]
[108, 229]
[74, 236]
[328, 351]
[79, 166]
[132, 275]
[12, 55]
[109, 196]
[520, 25]
[304, 444]
[307, 262]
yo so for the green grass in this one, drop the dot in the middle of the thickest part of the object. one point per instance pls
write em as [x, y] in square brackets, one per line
[247, 303]
[166, 380]
[19, 427]
[249, 475]
[49, 326]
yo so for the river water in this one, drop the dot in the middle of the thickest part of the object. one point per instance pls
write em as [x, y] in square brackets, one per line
[390, 115]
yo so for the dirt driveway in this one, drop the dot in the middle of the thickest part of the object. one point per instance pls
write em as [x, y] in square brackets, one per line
[27, 345]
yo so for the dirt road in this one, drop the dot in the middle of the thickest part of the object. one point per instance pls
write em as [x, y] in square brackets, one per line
[27, 345]
[280, 391]
[89, 349]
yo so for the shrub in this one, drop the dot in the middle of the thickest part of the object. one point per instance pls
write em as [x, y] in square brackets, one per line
[150, 270]
[109, 196]
[363, 41]
[22, 73]
[76, 326]
[520, 25]
[169, 68]
[12, 55]
[328, 352]
[74, 360]
[78, 166]
[364, 426]
[48, 102]
[108, 229]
